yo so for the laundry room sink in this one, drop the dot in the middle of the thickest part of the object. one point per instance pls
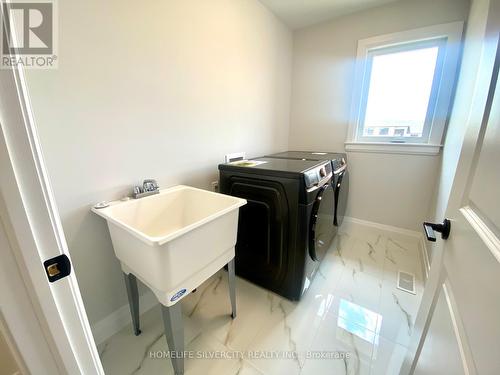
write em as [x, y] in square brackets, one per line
[174, 240]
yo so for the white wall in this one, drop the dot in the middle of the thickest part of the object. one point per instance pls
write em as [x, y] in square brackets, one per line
[153, 89]
[385, 188]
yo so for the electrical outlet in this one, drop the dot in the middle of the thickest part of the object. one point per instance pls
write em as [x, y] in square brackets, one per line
[215, 186]
[235, 157]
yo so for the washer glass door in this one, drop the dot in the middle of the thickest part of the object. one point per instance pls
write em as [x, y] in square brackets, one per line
[321, 231]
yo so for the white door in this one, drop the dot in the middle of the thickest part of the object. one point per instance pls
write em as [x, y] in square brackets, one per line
[36, 231]
[25, 347]
[468, 265]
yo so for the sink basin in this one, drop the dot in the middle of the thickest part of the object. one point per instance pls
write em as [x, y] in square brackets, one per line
[174, 240]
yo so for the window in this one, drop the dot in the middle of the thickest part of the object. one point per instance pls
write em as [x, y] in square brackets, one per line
[403, 89]
[398, 90]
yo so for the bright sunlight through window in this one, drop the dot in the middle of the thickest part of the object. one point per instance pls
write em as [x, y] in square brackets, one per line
[402, 90]
[399, 93]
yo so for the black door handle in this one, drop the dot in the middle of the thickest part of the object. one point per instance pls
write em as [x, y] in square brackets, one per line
[57, 268]
[443, 228]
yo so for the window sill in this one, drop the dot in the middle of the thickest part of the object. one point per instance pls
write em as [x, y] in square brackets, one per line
[393, 148]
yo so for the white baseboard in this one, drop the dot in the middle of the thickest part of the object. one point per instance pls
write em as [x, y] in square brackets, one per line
[424, 254]
[119, 318]
[385, 227]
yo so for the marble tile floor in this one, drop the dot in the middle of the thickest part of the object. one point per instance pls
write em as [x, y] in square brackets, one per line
[352, 320]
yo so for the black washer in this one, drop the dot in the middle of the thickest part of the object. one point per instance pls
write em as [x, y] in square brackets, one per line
[284, 230]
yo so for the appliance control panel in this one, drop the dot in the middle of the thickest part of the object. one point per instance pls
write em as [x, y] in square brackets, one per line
[339, 165]
[316, 176]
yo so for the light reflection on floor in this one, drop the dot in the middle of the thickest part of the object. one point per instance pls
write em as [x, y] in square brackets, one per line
[359, 321]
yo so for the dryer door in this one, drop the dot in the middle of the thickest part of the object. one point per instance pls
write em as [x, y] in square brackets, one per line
[341, 191]
[320, 224]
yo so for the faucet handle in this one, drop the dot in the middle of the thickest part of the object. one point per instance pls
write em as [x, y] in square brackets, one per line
[137, 190]
[150, 185]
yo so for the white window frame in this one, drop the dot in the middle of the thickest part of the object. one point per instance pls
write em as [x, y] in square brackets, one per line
[449, 38]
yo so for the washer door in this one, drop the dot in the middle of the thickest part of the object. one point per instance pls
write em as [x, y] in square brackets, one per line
[320, 225]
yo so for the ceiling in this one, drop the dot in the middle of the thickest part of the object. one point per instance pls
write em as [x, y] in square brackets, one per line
[301, 13]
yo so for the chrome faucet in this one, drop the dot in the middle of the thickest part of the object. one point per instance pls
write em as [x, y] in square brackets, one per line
[149, 187]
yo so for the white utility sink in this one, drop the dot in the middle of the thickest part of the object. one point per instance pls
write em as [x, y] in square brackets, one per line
[174, 240]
